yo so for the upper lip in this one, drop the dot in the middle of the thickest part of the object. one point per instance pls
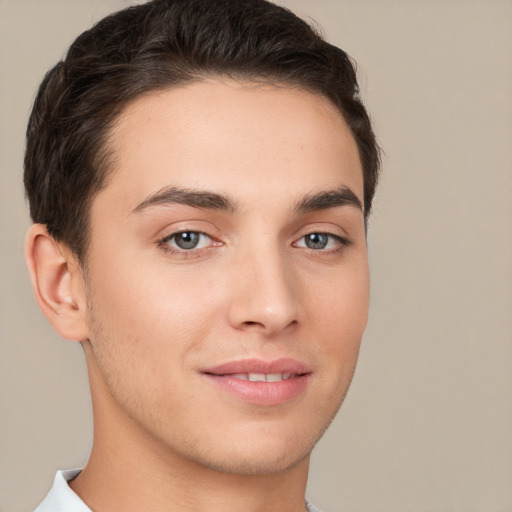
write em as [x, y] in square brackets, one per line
[285, 365]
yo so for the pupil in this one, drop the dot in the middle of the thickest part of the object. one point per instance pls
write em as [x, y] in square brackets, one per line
[316, 241]
[187, 240]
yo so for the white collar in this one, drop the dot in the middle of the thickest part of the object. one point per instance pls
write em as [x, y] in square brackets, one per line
[61, 498]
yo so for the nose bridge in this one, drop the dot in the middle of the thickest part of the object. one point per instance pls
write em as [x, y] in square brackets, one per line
[263, 289]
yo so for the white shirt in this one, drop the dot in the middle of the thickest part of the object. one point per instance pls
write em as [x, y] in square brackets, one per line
[61, 498]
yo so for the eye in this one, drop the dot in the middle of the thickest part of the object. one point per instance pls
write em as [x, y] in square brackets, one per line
[316, 240]
[187, 240]
[321, 241]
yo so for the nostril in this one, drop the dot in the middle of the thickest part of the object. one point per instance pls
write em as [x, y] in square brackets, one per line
[250, 323]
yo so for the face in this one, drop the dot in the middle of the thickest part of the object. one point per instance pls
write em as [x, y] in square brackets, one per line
[227, 274]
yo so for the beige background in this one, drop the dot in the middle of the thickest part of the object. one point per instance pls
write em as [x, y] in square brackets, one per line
[427, 425]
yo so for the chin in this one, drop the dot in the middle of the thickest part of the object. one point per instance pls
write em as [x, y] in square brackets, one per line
[270, 445]
[256, 465]
[256, 454]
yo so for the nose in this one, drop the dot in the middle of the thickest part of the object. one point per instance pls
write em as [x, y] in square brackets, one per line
[264, 294]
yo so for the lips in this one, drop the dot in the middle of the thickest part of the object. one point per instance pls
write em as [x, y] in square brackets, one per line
[260, 382]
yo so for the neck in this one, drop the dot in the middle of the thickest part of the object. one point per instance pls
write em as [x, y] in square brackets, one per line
[129, 471]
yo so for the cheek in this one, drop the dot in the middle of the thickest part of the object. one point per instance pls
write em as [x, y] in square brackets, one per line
[341, 305]
[143, 330]
[339, 316]
[154, 316]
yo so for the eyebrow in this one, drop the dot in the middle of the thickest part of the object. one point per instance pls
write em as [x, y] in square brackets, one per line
[342, 196]
[190, 197]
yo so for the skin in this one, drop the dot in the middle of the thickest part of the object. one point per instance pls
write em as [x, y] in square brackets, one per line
[152, 316]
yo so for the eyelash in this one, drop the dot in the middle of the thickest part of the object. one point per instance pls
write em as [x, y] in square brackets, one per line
[342, 243]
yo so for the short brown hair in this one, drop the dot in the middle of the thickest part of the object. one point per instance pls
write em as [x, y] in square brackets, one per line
[160, 44]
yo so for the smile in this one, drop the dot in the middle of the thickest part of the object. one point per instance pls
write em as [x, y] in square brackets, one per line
[260, 382]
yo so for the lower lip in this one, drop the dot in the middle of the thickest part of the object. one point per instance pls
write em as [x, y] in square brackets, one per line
[261, 393]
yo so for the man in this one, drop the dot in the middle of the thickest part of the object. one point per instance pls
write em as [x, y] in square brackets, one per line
[199, 175]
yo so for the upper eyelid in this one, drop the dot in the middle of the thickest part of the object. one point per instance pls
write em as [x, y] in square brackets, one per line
[329, 227]
[188, 226]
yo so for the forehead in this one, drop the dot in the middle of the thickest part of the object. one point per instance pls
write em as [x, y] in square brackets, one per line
[241, 138]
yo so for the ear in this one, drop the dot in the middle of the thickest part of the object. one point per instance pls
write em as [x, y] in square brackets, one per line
[58, 282]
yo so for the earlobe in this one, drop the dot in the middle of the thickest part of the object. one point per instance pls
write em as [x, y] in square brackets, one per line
[58, 283]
